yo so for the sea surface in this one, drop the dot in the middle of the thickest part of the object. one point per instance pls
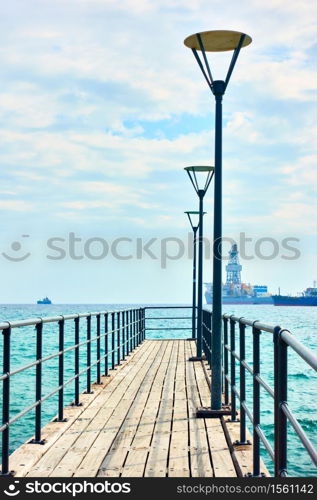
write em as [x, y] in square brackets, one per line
[301, 321]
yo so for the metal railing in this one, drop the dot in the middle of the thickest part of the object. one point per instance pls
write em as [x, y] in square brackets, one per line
[148, 319]
[121, 332]
[282, 339]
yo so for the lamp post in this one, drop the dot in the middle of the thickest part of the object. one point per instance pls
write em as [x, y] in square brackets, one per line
[200, 177]
[194, 225]
[217, 41]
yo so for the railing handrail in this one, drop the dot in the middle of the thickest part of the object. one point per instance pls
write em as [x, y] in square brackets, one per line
[248, 322]
[53, 319]
[160, 318]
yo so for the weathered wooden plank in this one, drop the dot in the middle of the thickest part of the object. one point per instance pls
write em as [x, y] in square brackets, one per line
[222, 461]
[114, 460]
[221, 458]
[200, 461]
[137, 455]
[156, 465]
[243, 453]
[143, 422]
[178, 465]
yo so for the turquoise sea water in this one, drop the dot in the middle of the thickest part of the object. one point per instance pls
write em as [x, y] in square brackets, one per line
[302, 321]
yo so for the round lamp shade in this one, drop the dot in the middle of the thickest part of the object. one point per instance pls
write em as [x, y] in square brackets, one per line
[205, 168]
[217, 40]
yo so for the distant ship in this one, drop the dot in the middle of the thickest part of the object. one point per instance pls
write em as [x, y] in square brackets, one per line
[46, 300]
[234, 291]
[308, 298]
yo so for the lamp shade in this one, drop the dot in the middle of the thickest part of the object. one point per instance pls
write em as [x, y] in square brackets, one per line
[200, 176]
[217, 40]
[193, 216]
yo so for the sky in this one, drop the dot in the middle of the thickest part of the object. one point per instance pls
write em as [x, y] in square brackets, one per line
[101, 108]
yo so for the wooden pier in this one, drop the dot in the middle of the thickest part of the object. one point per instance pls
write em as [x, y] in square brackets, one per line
[141, 422]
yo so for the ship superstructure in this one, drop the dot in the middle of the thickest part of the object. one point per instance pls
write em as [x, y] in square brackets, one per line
[45, 301]
[307, 298]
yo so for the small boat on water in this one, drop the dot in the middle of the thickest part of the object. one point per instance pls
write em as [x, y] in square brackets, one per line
[46, 300]
[308, 298]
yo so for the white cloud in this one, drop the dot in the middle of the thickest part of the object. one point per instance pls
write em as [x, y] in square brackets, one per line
[296, 216]
[126, 63]
[16, 205]
[302, 173]
[110, 155]
[242, 124]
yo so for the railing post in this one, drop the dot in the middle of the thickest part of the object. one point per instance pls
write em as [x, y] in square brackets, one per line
[88, 389]
[61, 327]
[233, 369]
[139, 326]
[256, 400]
[131, 330]
[225, 355]
[123, 335]
[6, 401]
[38, 384]
[76, 401]
[98, 381]
[210, 338]
[143, 316]
[276, 334]
[127, 334]
[106, 345]
[118, 338]
[203, 331]
[280, 426]
[137, 318]
[242, 328]
[113, 340]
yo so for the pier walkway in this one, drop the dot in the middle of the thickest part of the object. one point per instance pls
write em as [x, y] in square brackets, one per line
[141, 421]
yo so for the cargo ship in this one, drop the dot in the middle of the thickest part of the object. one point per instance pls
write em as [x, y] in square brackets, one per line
[308, 298]
[46, 300]
[234, 291]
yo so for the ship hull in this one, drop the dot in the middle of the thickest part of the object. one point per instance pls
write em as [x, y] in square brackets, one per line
[284, 300]
[241, 300]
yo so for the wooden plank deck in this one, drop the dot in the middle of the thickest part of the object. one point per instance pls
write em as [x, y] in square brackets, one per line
[140, 423]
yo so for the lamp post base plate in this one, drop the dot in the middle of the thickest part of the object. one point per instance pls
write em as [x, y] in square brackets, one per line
[41, 441]
[11, 473]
